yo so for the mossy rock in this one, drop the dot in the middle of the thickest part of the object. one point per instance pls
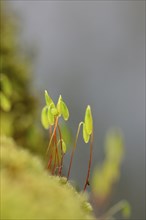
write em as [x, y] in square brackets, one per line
[30, 192]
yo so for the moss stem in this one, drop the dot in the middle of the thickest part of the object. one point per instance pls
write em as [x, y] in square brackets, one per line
[55, 126]
[62, 155]
[73, 150]
[89, 164]
[114, 210]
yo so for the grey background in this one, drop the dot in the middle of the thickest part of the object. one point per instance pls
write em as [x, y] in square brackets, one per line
[93, 52]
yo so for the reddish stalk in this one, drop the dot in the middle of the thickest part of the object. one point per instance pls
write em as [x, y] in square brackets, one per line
[89, 164]
[57, 156]
[55, 143]
[60, 137]
[54, 164]
[74, 147]
[49, 163]
[50, 131]
[55, 126]
[61, 164]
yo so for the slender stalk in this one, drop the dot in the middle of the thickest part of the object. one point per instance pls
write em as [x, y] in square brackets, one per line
[60, 137]
[49, 163]
[55, 126]
[73, 150]
[57, 156]
[54, 163]
[55, 143]
[50, 131]
[56, 151]
[115, 209]
[89, 164]
[61, 164]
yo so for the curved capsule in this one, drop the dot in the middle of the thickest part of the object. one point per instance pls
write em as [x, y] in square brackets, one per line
[64, 111]
[63, 147]
[44, 117]
[86, 136]
[48, 99]
[62, 108]
[50, 116]
[59, 105]
[88, 120]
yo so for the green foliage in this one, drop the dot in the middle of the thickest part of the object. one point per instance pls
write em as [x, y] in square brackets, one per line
[6, 84]
[18, 108]
[106, 174]
[122, 206]
[126, 211]
[114, 149]
[5, 96]
[5, 103]
[29, 192]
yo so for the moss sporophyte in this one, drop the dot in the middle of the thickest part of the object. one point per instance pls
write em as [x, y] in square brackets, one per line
[57, 147]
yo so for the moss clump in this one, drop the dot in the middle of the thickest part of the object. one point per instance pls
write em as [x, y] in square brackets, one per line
[18, 107]
[29, 192]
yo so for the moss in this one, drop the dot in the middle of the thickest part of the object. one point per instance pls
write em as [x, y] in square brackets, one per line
[29, 192]
[19, 107]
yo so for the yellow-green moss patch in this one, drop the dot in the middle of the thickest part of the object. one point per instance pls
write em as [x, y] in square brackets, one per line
[29, 192]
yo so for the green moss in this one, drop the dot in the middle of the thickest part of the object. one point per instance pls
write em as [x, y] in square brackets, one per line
[29, 192]
[18, 106]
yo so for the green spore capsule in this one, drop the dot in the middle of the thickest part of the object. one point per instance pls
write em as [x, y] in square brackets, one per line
[86, 136]
[48, 99]
[44, 117]
[59, 104]
[88, 120]
[50, 116]
[64, 111]
[63, 147]
[54, 111]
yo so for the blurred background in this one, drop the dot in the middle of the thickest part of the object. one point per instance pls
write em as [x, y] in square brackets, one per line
[93, 52]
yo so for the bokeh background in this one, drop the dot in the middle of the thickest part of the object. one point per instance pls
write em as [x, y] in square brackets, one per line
[93, 52]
